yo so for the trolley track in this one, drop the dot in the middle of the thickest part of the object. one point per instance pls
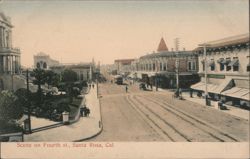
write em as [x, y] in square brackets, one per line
[166, 127]
[196, 122]
[146, 119]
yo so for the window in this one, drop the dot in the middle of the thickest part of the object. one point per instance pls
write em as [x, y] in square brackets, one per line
[248, 66]
[235, 64]
[153, 66]
[38, 65]
[221, 63]
[160, 66]
[44, 65]
[228, 67]
[165, 66]
[212, 65]
[192, 65]
[189, 65]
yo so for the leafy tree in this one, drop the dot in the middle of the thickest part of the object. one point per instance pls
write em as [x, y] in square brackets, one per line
[51, 78]
[10, 108]
[69, 76]
[22, 97]
[40, 79]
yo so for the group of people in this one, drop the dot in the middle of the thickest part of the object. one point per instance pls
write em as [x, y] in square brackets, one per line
[93, 85]
[84, 111]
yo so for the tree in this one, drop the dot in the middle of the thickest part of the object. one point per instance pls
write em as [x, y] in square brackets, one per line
[22, 96]
[51, 78]
[10, 108]
[40, 79]
[69, 76]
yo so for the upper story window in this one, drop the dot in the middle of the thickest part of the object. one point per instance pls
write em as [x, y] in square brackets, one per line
[192, 65]
[227, 61]
[248, 65]
[235, 64]
[160, 66]
[44, 65]
[164, 66]
[212, 65]
[221, 63]
[38, 65]
[153, 66]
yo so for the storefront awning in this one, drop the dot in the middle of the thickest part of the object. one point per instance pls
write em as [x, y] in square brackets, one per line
[220, 60]
[226, 61]
[235, 62]
[237, 92]
[211, 87]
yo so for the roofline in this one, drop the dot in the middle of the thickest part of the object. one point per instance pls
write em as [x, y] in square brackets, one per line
[232, 40]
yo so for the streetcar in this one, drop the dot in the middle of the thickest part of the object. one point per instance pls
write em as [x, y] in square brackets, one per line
[118, 79]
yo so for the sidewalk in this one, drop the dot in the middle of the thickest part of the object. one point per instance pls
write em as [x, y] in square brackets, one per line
[238, 112]
[84, 128]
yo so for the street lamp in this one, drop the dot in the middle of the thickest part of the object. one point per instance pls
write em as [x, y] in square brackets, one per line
[205, 74]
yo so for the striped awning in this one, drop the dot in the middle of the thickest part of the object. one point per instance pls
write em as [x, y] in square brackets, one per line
[237, 92]
[235, 62]
[212, 87]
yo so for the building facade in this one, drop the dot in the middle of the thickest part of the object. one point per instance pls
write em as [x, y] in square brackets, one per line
[85, 71]
[10, 62]
[123, 65]
[227, 64]
[164, 68]
[43, 61]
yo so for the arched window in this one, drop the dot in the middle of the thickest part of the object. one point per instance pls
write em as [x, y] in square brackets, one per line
[45, 65]
[38, 65]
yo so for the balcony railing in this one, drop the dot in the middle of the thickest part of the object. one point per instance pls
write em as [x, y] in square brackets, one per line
[9, 50]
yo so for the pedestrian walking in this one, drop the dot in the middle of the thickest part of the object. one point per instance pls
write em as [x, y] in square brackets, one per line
[93, 85]
[180, 91]
[191, 93]
[126, 88]
[89, 85]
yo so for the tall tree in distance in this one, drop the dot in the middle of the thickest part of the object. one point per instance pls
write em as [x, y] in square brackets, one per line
[51, 78]
[69, 76]
[40, 78]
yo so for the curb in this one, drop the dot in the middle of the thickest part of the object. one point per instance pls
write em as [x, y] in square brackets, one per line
[100, 123]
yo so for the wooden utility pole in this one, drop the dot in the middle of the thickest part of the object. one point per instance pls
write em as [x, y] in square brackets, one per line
[28, 99]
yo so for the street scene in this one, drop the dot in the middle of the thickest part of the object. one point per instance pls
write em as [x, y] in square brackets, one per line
[124, 72]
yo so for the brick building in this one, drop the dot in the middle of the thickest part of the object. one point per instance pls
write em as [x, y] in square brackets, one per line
[161, 68]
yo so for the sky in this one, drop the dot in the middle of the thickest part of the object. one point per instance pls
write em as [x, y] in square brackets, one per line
[74, 31]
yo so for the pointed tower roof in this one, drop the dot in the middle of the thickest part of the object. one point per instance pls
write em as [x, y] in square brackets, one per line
[162, 46]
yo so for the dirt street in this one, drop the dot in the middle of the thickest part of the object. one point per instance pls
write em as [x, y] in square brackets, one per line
[155, 116]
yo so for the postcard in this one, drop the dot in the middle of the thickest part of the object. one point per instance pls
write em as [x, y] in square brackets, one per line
[126, 79]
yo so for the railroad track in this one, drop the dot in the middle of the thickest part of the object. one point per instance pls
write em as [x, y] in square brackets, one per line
[205, 127]
[160, 125]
